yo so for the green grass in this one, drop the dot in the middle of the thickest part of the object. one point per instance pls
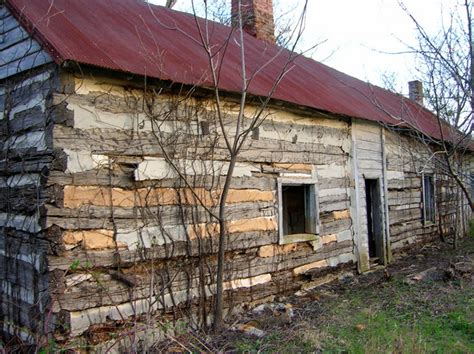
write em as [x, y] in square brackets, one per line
[386, 317]
[471, 228]
[372, 315]
[410, 320]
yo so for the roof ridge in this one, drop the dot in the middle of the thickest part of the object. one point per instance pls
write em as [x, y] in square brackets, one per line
[124, 35]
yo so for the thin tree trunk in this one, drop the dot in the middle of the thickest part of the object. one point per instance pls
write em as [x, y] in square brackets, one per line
[458, 218]
[218, 312]
[471, 50]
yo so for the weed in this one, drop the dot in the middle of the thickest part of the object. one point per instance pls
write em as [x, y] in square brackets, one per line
[74, 265]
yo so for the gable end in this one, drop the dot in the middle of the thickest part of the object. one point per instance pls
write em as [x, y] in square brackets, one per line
[18, 51]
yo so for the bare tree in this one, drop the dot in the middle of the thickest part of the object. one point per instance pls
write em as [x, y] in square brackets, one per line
[446, 67]
[170, 3]
[227, 133]
[287, 17]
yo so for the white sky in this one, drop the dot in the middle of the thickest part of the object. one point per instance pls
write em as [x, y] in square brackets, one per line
[360, 33]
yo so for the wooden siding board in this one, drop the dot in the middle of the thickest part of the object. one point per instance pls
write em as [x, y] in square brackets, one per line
[28, 62]
[8, 23]
[19, 52]
[369, 157]
[4, 12]
[23, 248]
[10, 38]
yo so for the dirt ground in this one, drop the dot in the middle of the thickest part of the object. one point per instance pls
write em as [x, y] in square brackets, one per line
[423, 301]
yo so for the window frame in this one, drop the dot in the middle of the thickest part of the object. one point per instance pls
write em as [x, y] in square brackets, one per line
[431, 178]
[314, 208]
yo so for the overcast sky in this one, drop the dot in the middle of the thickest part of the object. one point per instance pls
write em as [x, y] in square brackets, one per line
[360, 33]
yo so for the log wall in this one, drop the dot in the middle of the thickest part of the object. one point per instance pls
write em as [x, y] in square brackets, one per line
[107, 231]
[106, 196]
[27, 157]
[407, 160]
[125, 221]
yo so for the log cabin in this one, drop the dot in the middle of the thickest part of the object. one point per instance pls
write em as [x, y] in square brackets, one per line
[114, 158]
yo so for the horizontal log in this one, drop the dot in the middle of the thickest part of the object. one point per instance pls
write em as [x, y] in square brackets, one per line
[407, 227]
[29, 120]
[108, 258]
[28, 162]
[28, 200]
[107, 291]
[406, 204]
[368, 145]
[123, 105]
[292, 260]
[325, 207]
[75, 196]
[166, 214]
[404, 201]
[370, 165]
[418, 235]
[114, 141]
[117, 178]
[398, 216]
[333, 183]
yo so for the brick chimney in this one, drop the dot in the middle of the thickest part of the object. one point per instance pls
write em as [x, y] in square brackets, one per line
[415, 91]
[257, 18]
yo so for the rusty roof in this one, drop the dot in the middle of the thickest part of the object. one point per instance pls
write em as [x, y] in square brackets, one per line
[136, 37]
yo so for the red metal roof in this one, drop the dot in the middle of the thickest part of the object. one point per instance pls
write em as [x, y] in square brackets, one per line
[136, 37]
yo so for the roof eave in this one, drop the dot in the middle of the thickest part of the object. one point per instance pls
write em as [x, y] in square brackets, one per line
[29, 27]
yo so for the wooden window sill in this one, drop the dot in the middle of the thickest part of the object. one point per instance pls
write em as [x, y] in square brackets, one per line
[286, 239]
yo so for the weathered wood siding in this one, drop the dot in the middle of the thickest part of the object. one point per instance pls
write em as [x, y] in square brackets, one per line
[97, 227]
[117, 234]
[407, 160]
[368, 164]
[123, 207]
[18, 51]
[27, 157]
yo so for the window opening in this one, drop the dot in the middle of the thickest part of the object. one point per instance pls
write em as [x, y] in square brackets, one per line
[298, 209]
[428, 198]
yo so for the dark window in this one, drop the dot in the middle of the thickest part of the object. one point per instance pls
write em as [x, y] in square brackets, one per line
[428, 198]
[299, 209]
[204, 128]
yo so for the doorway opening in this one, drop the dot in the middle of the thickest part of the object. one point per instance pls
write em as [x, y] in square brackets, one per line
[374, 221]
